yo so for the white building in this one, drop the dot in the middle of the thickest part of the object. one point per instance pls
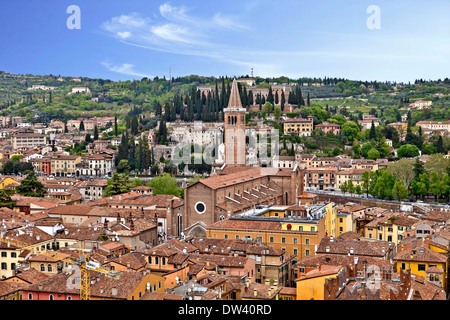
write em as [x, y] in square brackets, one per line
[80, 89]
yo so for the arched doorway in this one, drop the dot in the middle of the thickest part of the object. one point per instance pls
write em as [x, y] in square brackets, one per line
[198, 232]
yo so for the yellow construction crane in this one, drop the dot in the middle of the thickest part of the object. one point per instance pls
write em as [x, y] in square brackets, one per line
[83, 262]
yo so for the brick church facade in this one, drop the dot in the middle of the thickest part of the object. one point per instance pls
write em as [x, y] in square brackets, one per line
[236, 188]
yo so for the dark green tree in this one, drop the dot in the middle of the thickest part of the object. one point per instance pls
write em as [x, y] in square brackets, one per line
[30, 186]
[95, 132]
[5, 198]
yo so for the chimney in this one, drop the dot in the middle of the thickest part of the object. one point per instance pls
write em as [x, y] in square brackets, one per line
[255, 292]
[114, 291]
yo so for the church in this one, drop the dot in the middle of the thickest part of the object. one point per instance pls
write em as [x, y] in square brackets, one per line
[236, 187]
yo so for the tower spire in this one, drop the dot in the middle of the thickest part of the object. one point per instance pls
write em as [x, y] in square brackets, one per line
[235, 98]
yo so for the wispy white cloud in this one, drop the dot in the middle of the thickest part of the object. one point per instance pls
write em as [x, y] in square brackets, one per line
[175, 13]
[177, 32]
[228, 22]
[125, 68]
[124, 34]
[131, 21]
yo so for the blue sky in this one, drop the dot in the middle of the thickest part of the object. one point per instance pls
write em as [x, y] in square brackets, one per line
[131, 39]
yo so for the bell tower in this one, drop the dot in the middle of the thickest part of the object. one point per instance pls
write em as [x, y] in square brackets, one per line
[234, 118]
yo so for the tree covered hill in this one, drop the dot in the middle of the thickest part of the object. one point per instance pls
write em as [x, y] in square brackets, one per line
[107, 98]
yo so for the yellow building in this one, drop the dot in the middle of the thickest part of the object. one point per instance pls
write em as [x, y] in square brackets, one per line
[310, 286]
[9, 259]
[425, 258]
[353, 175]
[389, 227]
[64, 165]
[12, 244]
[336, 223]
[298, 239]
[4, 182]
[149, 283]
[259, 291]
[45, 264]
[302, 127]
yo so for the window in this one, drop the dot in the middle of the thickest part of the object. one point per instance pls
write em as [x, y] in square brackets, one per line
[307, 252]
[4, 266]
[149, 260]
[49, 268]
[389, 238]
[42, 267]
[225, 236]
[380, 237]
[30, 296]
[283, 240]
[271, 239]
[69, 298]
[421, 267]
[50, 297]
[3, 254]
[200, 207]
[156, 260]
[295, 240]
[295, 251]
[307, 241]
[237, 237]
[313, 228]
[163, 261]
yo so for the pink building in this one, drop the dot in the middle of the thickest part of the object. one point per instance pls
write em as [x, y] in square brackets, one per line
[327, 127]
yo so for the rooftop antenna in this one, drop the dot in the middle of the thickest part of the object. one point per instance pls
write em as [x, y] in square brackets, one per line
[252, 72]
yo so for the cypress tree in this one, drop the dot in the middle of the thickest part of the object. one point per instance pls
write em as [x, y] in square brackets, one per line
[270, 96]
[250, 98]
[372, 133]
[116, 128]
[440, 148]
[95, 133]
[134, 125]
[283, 101]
